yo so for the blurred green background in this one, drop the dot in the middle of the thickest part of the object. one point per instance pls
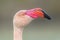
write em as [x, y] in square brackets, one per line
[39, 29]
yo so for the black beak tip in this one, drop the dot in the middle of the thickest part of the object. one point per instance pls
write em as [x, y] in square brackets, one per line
[46, 16]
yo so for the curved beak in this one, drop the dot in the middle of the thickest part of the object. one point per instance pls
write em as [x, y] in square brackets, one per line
[45, 15]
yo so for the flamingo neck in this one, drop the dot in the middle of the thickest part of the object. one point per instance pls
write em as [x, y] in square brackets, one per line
[18, 33]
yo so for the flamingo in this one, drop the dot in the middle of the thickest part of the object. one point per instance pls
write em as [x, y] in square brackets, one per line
[23, 18]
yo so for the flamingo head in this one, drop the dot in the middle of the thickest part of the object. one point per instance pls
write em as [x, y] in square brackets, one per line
[37, 12]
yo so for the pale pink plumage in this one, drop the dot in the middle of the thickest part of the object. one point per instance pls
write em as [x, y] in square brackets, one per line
[19, 22]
